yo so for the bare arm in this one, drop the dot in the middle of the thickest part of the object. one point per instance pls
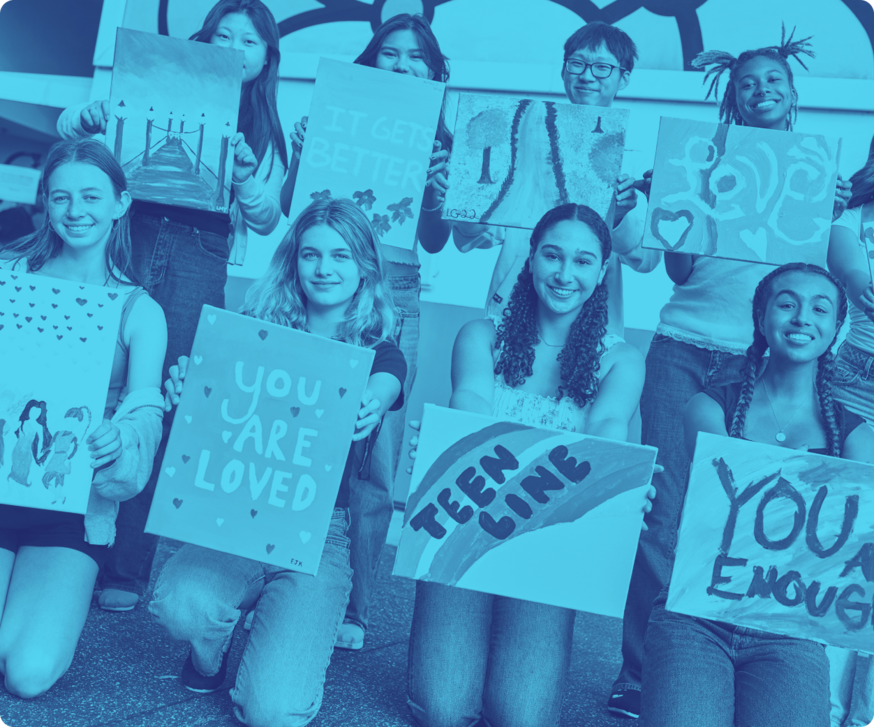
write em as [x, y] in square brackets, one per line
[473, 377]
[859, 445]
[846, 260]
[679, 267]
[702, 414]
[618, 393]
[380, 395]
[146, 331]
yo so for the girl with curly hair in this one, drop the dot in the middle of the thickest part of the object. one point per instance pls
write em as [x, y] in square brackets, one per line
[549, 363]
[701, 672]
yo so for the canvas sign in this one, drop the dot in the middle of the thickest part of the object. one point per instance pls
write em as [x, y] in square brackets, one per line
[514, 159]
[58, 342]
[369, 138]
[259, 440]
[742, 193]
[779, 540]
[538, 514]
[172, 111]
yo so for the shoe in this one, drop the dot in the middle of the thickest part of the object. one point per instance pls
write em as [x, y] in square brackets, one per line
[194, 681]
[112, 599]
[350, 636]
[625, 703]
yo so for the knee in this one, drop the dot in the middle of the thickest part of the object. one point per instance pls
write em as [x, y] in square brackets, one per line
[436, 713]
[272, 712]
[31, 675]
[185, 610]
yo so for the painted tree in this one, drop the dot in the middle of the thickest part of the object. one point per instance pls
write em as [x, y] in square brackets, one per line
[381, 225]
[487, 129]
[401, 210]
[364, 199]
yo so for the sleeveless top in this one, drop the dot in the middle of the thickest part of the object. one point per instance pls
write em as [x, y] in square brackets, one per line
[118, 377]
[537, 410]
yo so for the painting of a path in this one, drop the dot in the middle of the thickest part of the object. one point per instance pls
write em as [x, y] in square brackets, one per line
[515, 159]
[173, 110]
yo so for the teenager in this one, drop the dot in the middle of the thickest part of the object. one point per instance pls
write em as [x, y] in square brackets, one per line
[699, 343]
[327, 278]
[181, 255]
[549, 362]
[701, 672]
[403, 44]
[49, 559]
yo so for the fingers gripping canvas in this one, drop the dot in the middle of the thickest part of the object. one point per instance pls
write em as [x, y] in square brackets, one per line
[778, 540]
[172, 112]
[513, 159]
[742, 193]
[537, 514]
[259, 441]
[58, 341]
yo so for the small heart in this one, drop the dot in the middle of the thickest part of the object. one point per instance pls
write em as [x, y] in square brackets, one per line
[188, 418]
[66, 318]
[295, 410]
[43, 317]
[17, 288]
[81, 301]
[18, 324]
[226, 435]
[40, 329]
[219, 521]
[353, 362]
[177, 502]
[60, 337]
[54, 305]
[82, 339]
[270, 548]
[81, 287]
[100, 305]
[12, 300]
[671, 228]
[32, 305]
[170, 471]
[112, 296]
[55, 327]
[211, 318]
[328, 467]
[28, 319]
[305, 536]
[207, 391]
[69, 328]
[15, 315]
[55, 291]
[99, 328]
[342, 392]
[90, 315]
[185, 458]
[319, 413]
[253, 513]
[262, 334]
[33, 287]
[198, 360]
[2, 282]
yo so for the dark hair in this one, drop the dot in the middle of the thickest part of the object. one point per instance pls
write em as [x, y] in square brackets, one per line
[863, 182]
[579, 360]
[592, 35]
[41, 246]
[721, 61]
[434, 58]
[41, 420]
[259, 117]
[825, 368]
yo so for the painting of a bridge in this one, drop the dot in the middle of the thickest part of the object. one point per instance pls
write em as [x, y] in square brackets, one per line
[515, 159]
[173, 109]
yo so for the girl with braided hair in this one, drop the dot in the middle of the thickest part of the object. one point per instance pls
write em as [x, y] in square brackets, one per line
[700, 339]
[706, 672]
[549, 363]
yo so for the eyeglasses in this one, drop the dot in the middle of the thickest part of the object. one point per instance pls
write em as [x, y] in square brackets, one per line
[599, 70]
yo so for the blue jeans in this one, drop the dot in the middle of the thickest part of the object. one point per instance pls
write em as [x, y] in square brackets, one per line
[475, 656]
[675, 372]
[183, 269]
[201, 594]
[700, 672]
[371, 501]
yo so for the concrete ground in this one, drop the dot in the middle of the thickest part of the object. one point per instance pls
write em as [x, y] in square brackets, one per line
[125, 672]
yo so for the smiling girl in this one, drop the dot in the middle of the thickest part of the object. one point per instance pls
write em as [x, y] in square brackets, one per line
[49, 559]
[181, 255]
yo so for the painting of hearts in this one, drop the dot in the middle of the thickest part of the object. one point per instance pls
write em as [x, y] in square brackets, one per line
[742, 193]
[58, 341]
[537, 514]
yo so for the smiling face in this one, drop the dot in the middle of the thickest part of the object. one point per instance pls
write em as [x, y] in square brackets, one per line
[585, 88]
[235, 30]
[82, 205]
[327, 271]
[400, 52]
[763, 93]
[800, 316]
[566, 267]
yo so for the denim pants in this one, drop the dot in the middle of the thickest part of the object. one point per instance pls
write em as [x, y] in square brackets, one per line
[699, 672]
[675, 372]
[475, 656]
[183, 269]
[852, 674]
[201, 593]
[371, 502]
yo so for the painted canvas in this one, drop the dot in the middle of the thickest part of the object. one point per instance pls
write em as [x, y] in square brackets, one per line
[537, 514]
[259, 440]
[779, 540]
[173, 109]
[18, 184]
[868, 236]
[58, 341]
[742, 193]
[369, 138]
[514, 159]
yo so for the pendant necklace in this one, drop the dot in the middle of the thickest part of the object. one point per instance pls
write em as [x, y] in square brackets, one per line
[543, 340]
[780, 436]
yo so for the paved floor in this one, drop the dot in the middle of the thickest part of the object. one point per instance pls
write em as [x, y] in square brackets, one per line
[126, 673]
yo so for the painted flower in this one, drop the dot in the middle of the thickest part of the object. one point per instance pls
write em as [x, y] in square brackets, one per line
[381, 224]
[401, 210]
[364, 199]
[324, 194]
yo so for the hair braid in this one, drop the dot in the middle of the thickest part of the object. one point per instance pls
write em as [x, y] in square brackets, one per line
[824, 376]
[750, 374]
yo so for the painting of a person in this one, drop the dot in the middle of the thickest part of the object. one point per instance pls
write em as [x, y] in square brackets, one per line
[65, 444]
[33, 441]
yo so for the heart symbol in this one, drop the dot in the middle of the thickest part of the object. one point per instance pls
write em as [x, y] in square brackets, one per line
[353, 362]
[270, 549]
[40, 329]
[100, 305]
[226, 435]
[185, 458]
[262, 334]
[43, 317]
[55, 291]
[207, 391]
[328, 468]
[33, 287]
[188, 418]
[219, 521]
[15, 315]
[82, 339]
[198, 360]
[253, 513]
[177, 502]
[99, 328]
[295, 410]
[59, 337]
[28, 319]
[81, 301]
[112, 296]
[90, 315]
[211, 318]
[170, 471]
[55, 327]
[666, 226]
[18, 324]
[342, 392]
[32, 305]
[305, 536]
[319, 413]
[54, 305]
[2, 282]
[69, 328]
[66, 318]
[17, 288]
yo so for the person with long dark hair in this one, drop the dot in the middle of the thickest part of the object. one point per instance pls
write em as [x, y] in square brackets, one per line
[181, 255]
[32, 442]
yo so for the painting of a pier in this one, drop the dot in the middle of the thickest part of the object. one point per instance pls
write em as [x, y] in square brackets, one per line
[173, 109]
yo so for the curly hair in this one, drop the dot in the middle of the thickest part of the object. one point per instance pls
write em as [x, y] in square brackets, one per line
[753, 368]
[718, 62]
[579, 360]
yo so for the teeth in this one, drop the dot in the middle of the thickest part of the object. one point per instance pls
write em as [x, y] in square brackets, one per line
[799, 337]
[765, 104]
[563, 292]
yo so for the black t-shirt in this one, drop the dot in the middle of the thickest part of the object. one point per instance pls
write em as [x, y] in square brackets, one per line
[388, 359]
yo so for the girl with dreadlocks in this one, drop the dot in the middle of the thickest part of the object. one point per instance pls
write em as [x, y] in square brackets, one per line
[549, 363]
[701, 672]
[699, 341]
[852, 686]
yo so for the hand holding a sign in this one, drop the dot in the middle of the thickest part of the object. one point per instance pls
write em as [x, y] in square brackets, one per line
[843, 192]
[95, 116]
[368, 416]
[104, 443]
[245, 161]
[626, 197]
[438, 177]
[297, 137]
[173, 385]
[645, 184]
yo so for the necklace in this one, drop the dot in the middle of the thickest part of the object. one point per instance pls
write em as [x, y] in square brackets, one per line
[780, 436]
[543, 340]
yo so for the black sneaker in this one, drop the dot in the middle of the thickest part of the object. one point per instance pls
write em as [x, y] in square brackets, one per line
[197, 682]
[625, 703]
